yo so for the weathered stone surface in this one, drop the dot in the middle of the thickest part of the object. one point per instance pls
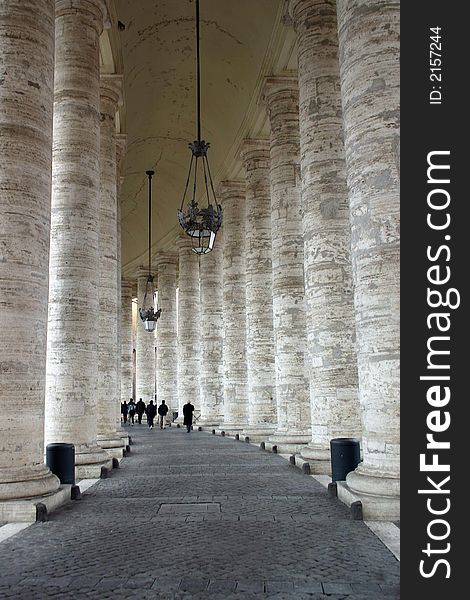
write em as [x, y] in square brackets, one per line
[232, 199]
[292, 389]
[212, 334]
[121, 144]
[369, 66]
[189, 326]
[144, 347]
[126, 340]
[108, 323]
[166, 336]
[72, 352]
[26, 101]
[325, 216]
[262, 415]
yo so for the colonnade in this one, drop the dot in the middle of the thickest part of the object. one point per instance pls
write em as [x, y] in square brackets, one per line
[287, 332]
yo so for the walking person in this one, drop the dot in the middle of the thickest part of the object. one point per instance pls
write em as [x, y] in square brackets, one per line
[151, 411]
[188, 410]
[140, 409]
[162, 410]
[131, 407]
[124, 411]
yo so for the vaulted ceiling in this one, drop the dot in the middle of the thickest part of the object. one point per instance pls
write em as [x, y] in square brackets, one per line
[241, 43]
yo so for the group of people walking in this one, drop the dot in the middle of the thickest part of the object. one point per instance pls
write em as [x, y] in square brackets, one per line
[130, 409]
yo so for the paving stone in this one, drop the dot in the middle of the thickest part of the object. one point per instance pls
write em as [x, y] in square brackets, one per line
[106, 553]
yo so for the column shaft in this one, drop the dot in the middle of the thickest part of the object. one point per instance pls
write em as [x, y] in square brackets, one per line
[369, 67]
[292, 388]
[108, 322]
[212, 385]
[144, 349]
[327, 239]
[167, 341]
[189, 328]
[261, 374]
[126, 340]
[72, 353]
[26, 101]
[232, 198]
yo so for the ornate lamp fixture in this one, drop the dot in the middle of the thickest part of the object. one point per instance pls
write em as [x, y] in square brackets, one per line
[201, 224]
[147, 313]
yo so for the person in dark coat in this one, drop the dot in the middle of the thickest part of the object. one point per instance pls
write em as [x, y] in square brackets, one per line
[162, 410]
[140, 409]
[124, 411]
[131, 411]
[151, 411]
[188, 410]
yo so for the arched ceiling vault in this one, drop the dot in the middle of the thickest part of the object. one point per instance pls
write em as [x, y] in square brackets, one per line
[241, 43]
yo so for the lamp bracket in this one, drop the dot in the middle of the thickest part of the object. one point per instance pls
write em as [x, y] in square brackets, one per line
[199, 147]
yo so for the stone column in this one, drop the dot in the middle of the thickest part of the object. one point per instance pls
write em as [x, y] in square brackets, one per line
[189, 327]
[212, 331]
[232, 199]
[108, 323]
[292, 388]
[144, 348]
[126, 340]
[72, 348]
[26, 100]
[121, 143]
[369, 66]
[167, 342]
[262, 415]
[327, 239]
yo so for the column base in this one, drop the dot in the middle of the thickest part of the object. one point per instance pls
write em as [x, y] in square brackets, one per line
[113, 445]
[88, 462]
[288, 443]
[27, 482]
[318, 457]
[231, 429]
[25, 510]
[379, 494]
[257, 434]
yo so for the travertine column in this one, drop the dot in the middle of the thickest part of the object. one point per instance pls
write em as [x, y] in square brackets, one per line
[369, 64]
[189, 326]
[26, 99]
[327, 240]
[72, 349]
[121, 143]
[232, 199]
[167, 343]
[212, 332]
[144, 348]
[108, 323]
[261, 374]
[126, 340]
[292, 389]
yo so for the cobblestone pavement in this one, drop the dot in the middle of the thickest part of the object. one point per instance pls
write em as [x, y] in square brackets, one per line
[191, 516]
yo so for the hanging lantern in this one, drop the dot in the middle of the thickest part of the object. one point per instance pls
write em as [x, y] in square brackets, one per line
[147, 310]
[201, 224]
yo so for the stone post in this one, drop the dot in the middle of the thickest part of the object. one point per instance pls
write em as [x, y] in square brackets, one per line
[212, 332]
[108, 323]
[262, 415]
[292, 388]
[189, 326]
[144, 348]
[72, 348]
[327, 239]
[370, 77]
[167, 342]
[26, 100]
[232, 199]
